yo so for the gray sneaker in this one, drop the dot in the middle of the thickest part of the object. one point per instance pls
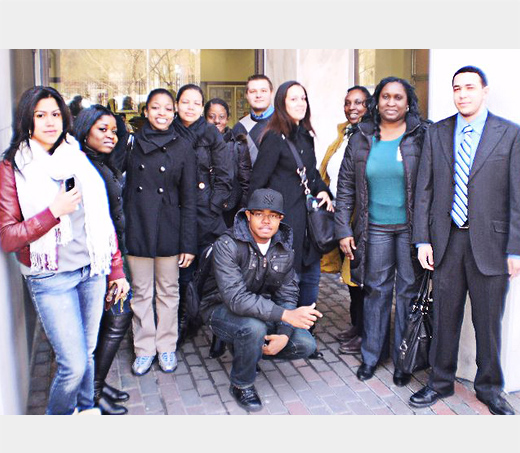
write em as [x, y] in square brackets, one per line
[168, 361]
[142, 364]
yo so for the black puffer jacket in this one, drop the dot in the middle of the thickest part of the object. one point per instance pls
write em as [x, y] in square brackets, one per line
[214, 181]
[352, 193]
[249, 283]
[237, 145]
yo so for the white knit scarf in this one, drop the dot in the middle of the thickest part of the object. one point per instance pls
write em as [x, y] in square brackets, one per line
[38, 183]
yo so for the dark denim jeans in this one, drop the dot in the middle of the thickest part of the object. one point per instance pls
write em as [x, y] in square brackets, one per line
[69, 305]
[388, 264]
[309, 284]
[246, 335]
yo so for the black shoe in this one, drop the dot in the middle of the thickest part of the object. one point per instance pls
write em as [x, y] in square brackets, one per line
[107, 407]
[113, 394]
[246, 398]
[497, 405]
[425, 397]
[352, 346]
[401, 379]
[365, 372]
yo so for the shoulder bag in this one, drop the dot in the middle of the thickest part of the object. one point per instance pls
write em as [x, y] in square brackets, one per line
[415, 346]
[320, 221]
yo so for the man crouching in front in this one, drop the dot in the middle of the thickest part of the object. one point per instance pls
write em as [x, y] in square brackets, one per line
[249, 300]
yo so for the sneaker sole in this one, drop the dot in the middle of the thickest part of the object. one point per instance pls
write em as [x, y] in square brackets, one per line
[167, 371]
[142, 374]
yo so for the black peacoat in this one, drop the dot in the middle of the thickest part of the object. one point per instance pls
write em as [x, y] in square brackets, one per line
[160, 199]
[275, 168]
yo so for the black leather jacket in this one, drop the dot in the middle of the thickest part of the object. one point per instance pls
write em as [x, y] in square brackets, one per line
[249, 283]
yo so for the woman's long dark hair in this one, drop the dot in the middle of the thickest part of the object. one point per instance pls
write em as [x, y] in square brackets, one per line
[86, 119]
[23, 125]
[280, 121]
[413, 103]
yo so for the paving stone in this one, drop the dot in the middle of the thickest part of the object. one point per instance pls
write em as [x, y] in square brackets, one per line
[200, 385]
[205, 387]
[286, 393]
[321, 410]
[153, 403]
[359, 408]
[298, 383]
[371, 399]
[190, 398]
[184, 382]
[321, 388]
[286, 368]
[175, 408]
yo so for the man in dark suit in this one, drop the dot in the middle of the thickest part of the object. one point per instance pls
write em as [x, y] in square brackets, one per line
[467, 228]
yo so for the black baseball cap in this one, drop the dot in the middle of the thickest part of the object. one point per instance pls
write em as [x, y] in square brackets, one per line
[266, 199]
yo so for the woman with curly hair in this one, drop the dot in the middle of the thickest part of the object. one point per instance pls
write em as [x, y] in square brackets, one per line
[377, 184]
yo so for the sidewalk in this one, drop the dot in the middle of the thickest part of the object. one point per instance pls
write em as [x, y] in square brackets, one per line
[324, 386]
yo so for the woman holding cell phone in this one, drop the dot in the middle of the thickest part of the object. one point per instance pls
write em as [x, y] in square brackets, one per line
[64, 240]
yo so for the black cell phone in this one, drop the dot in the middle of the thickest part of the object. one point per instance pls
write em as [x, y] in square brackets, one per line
[69, 184]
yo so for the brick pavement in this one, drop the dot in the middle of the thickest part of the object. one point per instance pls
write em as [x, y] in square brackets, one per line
[328, 386]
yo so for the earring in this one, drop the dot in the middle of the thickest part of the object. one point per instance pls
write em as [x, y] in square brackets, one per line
[407, 108]
[30, 134]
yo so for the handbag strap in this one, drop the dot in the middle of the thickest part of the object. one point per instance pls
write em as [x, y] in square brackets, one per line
[300, 168]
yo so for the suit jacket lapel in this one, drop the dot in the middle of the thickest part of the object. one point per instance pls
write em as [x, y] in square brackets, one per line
[491, 136]
[446, 136]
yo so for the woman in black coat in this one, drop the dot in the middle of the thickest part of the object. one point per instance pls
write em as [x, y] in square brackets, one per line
[275, 168]
[160, 210]
[214, 164]
[216, 111]
[97, 132]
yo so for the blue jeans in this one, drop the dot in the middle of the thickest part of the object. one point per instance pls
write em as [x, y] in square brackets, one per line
[246, 335]
[309, 284]
[388, 263]
[69, 305]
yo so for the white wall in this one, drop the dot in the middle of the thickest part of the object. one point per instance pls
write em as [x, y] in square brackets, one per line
[14, 372]
[502, 68]
[326, 74]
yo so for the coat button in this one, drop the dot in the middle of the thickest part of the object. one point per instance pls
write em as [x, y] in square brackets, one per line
[162, 169]
[201, 185]
[139, 189]
[160, 190]
[118, 198]
[275, 268]
[118, 217]
[163, 149]
[141, 167]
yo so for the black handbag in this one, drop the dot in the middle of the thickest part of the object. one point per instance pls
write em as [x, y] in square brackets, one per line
[320, 221]
[415, 346]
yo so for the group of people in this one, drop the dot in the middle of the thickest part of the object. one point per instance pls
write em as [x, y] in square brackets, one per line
[93, 211]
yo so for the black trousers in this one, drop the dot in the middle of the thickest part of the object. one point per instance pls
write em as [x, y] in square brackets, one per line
[452, 279]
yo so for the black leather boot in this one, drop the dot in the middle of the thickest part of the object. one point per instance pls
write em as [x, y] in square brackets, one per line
[112, 331]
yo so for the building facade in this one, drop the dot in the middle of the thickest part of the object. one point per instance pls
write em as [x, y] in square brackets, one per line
[126, 76]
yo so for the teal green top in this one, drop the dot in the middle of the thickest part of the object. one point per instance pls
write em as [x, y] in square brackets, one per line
[386, 185]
